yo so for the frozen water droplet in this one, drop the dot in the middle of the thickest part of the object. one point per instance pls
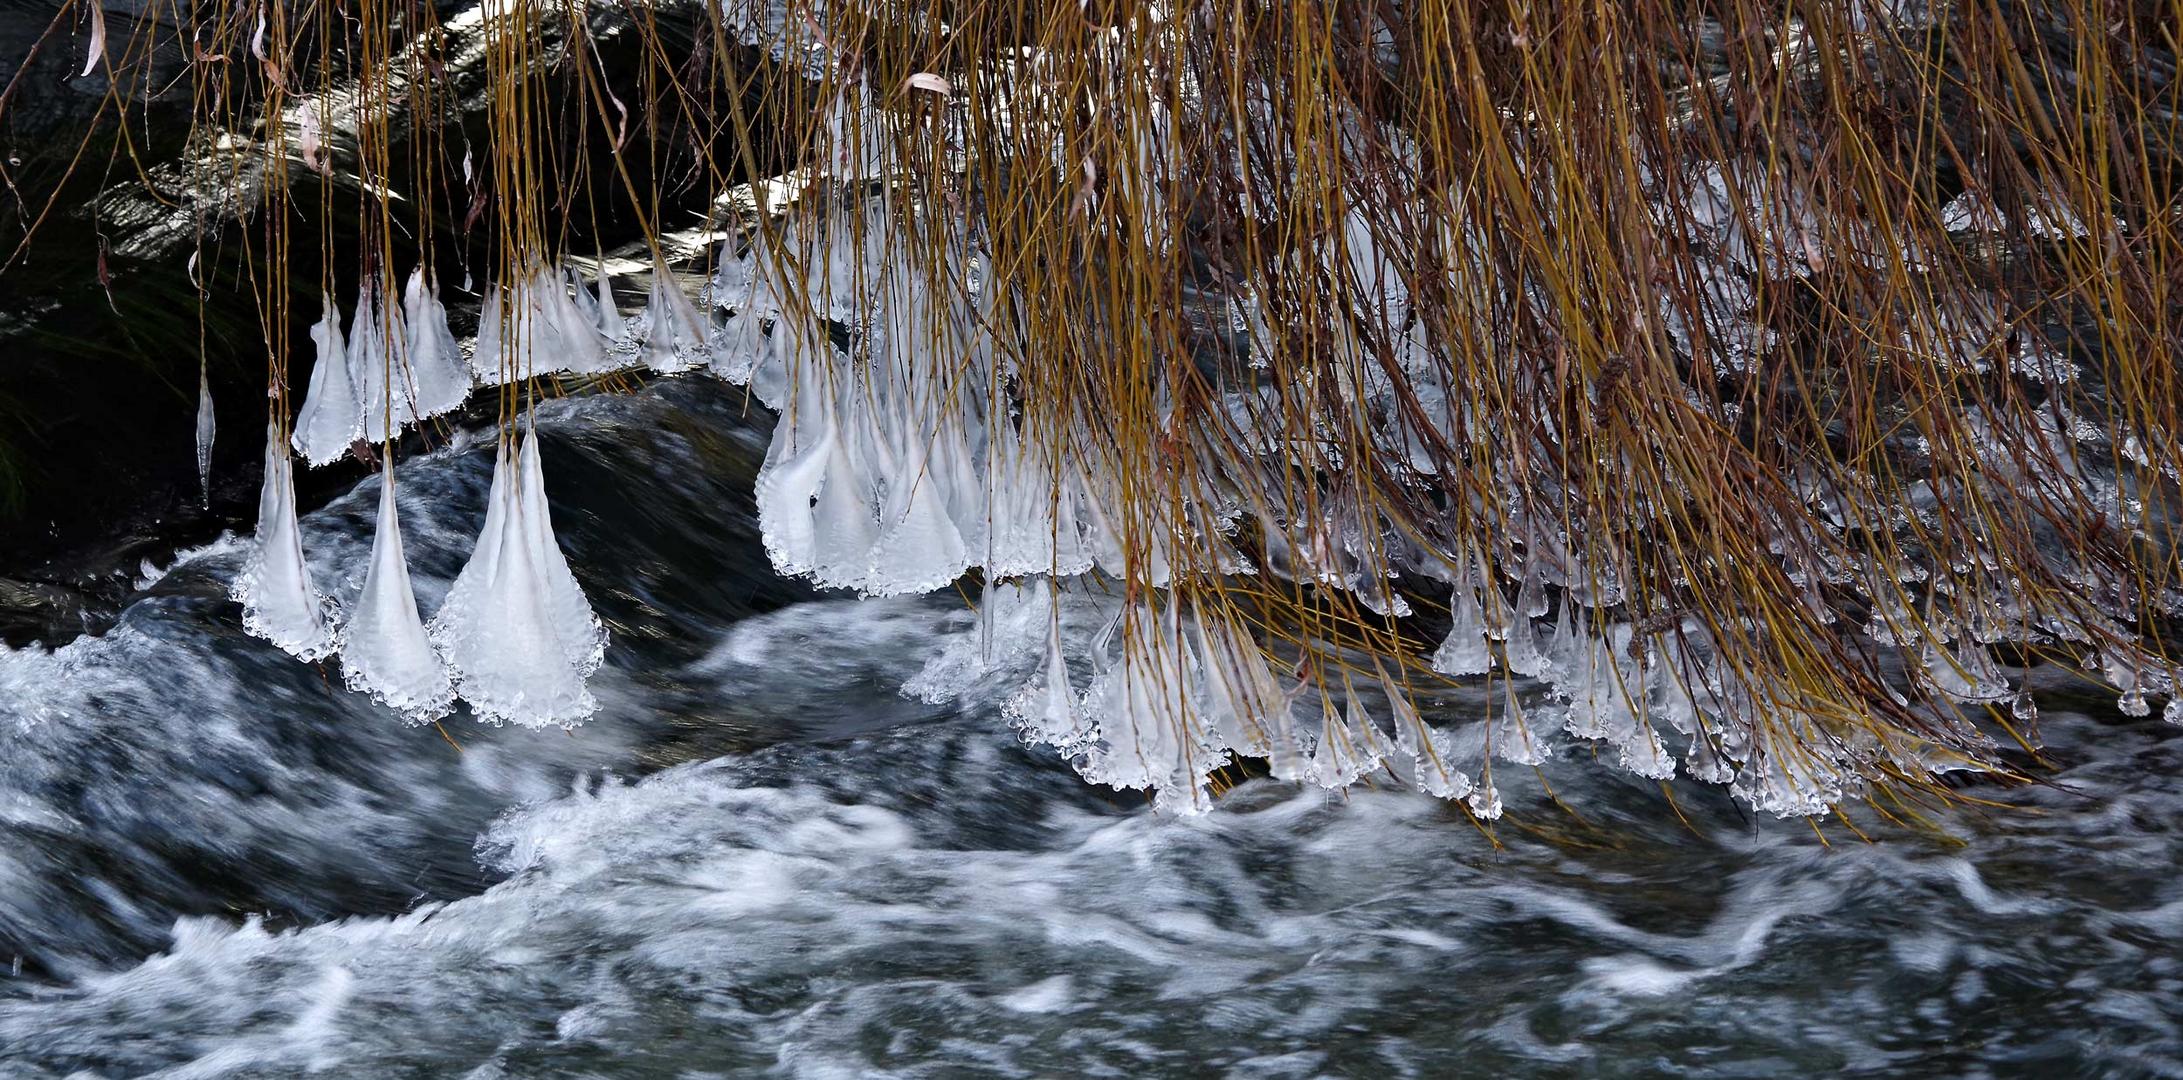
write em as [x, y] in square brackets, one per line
[1485, 800]
[575, 317]
[205, 425]
[497, 627]
[274, 585]
[332, 417]
[437, 378]
[671, 337]
[386, 653]
[582, 636]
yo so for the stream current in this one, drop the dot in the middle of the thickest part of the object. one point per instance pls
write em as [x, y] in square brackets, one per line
[761, 859]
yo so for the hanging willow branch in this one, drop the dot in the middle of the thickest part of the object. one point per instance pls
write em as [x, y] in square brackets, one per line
[1748, 388]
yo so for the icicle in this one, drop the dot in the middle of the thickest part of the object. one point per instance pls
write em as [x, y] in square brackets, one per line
[540, 345]
[2173, 712]
[332, 418]
[672, 335]
[205, 426]
[436, 369]
[582, 636]
[1423, 753]
[1046, 714]
[385, 652]
[576, 324]
[788, 483]
[274, 586]
[921, 549]
[1464, 652]
[485, 357]
[495, 631]
[611, 325]
[375, 365]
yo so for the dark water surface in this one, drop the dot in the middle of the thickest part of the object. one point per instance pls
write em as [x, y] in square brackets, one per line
[763, 860]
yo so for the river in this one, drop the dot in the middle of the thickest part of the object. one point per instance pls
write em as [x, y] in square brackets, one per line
[762, 859]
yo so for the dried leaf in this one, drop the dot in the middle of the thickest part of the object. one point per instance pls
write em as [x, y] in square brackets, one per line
[925, 80]
[621, 127]
[98, 39]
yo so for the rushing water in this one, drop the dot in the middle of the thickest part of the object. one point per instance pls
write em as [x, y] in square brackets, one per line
[762, 859]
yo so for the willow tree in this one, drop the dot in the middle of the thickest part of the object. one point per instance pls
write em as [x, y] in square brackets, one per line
[1753, 390]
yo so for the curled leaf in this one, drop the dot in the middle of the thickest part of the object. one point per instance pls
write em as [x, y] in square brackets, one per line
[98, 39]
[309, 145]
[621, 126]
[925, 80]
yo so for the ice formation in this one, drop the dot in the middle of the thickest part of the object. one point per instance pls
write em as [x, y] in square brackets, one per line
[514, 629]
[897, 465]
[385, 652]
[376, 345]
[609, 316]
[438, 381]
[205, 432]
[577, 344]
[333, 416]
[581, 635]
[671, 334]
[903, 459]
[489, 362]
[274, 585]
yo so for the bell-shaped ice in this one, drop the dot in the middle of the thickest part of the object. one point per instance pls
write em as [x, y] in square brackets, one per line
[1424, 755]
[377, 342]
[495, 629]
[385, 652]
[489, 357]
[607, 316]
[576, 324]
[844, 522]
[921, 549]
[1349, 747]
[274, 585]
[1464, 652]
[332, 418]
[789, 481]
[582, 636]
[541, 348]
[671, 337]
[1149, 732]
[436, 372]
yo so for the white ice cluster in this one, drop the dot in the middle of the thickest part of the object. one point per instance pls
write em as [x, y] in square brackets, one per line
[515, 637]
[898, 464]
[400, 364]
